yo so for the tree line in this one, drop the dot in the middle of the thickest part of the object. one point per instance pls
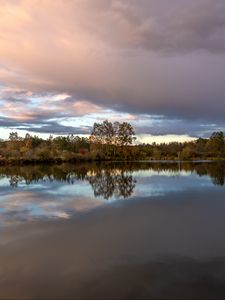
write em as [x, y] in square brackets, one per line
[107, 141]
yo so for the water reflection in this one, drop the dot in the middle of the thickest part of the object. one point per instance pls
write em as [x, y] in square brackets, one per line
[13, 180]
[158, 249]
[107, 183]
[63, 191]
[167, 242]
[108, 179]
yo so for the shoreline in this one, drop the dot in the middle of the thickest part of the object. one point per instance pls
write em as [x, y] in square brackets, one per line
[9, 162]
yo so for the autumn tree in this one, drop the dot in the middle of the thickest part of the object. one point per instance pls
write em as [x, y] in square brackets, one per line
[116, 133]
[13, 136]
[103, 133]
[125, 134]
[216, 143]
[111, 139]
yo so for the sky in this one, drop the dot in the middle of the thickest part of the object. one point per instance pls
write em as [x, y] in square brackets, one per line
[158, 64]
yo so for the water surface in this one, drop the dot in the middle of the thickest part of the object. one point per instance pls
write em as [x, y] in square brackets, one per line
[134, 230]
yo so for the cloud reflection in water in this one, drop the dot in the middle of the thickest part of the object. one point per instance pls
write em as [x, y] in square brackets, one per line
[64, 191]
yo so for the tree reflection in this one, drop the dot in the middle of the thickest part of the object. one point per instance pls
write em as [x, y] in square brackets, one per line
[107, 179]
[216, 171]
[13, 181]
[112, 183]
[218, 175]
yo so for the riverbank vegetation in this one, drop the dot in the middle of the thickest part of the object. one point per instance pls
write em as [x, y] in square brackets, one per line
[108, 141]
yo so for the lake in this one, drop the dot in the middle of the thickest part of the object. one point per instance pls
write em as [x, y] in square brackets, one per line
[113, 230]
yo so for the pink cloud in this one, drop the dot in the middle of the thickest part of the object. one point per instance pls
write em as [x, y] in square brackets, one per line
[86, 107]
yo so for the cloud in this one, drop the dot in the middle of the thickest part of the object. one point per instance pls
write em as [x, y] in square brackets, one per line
[63, 59]
[49, 113]
[200, 25]
[86, 107]
[56, 128]
[149, 139]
